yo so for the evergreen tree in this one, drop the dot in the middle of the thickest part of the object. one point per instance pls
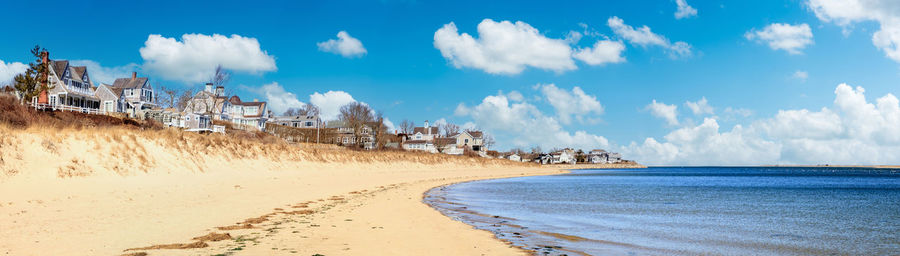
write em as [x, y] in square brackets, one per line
[34, 80]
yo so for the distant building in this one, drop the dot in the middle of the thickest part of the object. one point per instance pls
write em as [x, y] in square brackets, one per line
[136, 96]
[247, 114]
[210, 101]
[599, 156]
[345, 135]
[565, 156]
[298, 121]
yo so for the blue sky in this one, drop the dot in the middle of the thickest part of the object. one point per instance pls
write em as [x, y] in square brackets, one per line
[750, 72]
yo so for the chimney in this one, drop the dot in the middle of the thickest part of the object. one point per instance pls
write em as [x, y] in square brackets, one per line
[427, 128]
[209, 87]
[45, 57]
[133, 75]
[255, 100]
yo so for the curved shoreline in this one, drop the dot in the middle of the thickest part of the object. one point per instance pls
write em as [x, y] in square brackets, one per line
[497, 225]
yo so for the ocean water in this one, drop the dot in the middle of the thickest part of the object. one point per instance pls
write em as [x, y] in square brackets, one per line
[687, 211]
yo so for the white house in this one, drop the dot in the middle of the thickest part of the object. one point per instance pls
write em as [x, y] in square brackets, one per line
[565, 156]
[422, 139]
[514, 157]
[247, 114]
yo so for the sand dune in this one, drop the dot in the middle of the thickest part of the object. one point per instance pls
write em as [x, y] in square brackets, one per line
[103, 191]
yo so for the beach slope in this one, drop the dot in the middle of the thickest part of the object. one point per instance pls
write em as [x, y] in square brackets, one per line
[114, 191]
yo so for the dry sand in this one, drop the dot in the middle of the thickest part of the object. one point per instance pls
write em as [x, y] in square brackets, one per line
[77, 192]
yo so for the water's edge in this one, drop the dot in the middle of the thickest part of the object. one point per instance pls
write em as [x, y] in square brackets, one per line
[535, 242]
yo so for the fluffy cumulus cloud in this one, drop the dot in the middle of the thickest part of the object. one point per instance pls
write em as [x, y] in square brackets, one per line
[684, 10]
[10, 70]
[521, 124]
[846, 13]
[278, 99]
[781, 36]
[568, 104]
[699, 107]
[330, 103]
[345, 45]
[503, 48]
[852, 131]
[644, 37]
[603, 52]
[664, 111]
[100, 74]
[194, 58]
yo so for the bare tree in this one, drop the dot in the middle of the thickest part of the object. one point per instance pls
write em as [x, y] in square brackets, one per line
[183, 100]
[356, 116]
[448, 129]
[406, 126]
[220, 77]
[310, 110]
[440, 144]
[488, 141]
[291, 112]
[536, 150]
[167, 96]
[378, 129]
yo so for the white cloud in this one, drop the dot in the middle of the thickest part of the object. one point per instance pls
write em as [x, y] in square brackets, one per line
[644, 37]
[100, 74]
[782, 36]
[330, 103]
[704, 144]
[515, 96]
[666, 112]
[845, 13]
[684, 10]
[390, 125]
[853, 131]
[9, 70]
[278, 99]
[195, 57]
[699, 107]
[576, 103]
[345, 45]
[503, 48]
[523, 125]
[800, 75]
[603, 52]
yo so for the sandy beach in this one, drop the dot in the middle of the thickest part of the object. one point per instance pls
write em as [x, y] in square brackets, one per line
[69, 193]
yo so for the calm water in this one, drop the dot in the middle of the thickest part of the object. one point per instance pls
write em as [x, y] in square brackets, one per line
[696, 210]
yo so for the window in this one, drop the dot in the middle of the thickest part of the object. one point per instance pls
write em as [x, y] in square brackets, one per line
[52, 100]
[309, 124]
[467, 141]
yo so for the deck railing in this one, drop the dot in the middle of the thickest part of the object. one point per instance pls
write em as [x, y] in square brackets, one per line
[41, 106]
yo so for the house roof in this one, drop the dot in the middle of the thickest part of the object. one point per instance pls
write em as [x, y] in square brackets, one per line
[415, 142]
[476, 134]
[423, 130]
[59, 66]
[235, 100]
[129, 83]
[78, 72]
[446, 141]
